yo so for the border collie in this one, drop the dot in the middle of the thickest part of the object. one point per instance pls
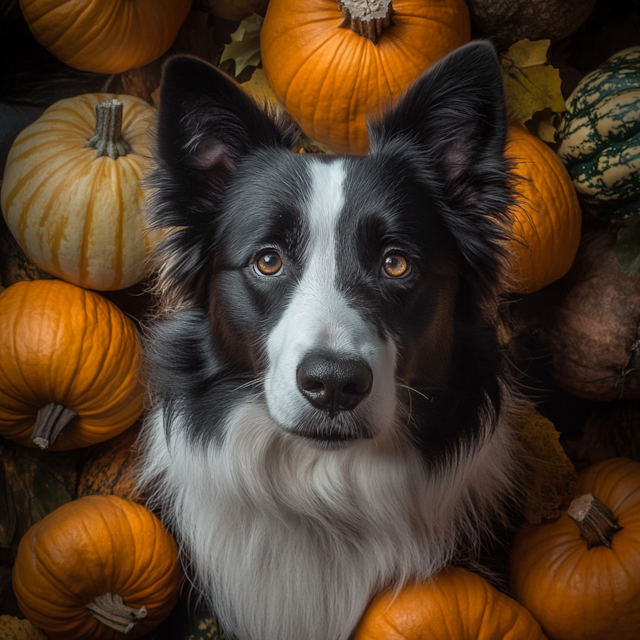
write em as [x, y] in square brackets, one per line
[331, 400]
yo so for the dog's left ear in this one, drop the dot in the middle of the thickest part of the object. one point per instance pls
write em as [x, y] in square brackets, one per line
[206, 124]
[454, 119]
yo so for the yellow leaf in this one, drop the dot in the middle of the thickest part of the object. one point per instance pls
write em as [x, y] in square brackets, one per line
[531, 85]
[546, 129]
[245, 44]
[526, 53]
[553, 478]
[259, 89]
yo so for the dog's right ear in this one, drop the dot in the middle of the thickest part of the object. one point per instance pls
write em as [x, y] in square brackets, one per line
[205, 125]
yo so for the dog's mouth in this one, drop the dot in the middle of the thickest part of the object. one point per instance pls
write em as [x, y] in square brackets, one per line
[329, 440]
[335, 432]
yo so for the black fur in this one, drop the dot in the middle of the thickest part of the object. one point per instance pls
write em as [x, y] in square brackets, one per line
[435, 184]
[435, 188]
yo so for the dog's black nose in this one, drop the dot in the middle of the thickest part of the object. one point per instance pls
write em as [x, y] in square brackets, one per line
[334, 384]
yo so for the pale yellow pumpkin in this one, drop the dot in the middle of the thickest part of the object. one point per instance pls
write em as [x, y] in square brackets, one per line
[76, 214]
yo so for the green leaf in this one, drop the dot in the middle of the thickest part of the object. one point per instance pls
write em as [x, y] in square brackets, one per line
[627, 248]
[531, 85]
[245, 44]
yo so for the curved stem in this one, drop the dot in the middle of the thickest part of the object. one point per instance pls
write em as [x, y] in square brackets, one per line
[367, 18]
[111, 610]
[595, 521]
[107, 139]
[50, 421]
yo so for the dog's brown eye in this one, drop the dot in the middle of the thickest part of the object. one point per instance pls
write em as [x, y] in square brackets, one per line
[269, 263]
[395, 265]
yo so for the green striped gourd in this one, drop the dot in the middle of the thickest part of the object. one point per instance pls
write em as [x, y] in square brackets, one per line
[600, 135]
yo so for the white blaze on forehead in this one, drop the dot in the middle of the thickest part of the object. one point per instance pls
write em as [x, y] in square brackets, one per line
[322, 212]
[318, 317]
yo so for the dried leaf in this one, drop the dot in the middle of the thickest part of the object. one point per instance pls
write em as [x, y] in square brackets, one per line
[531, 84]
[259, 89]
[547, 129]
[245, 44]
[313, 146]
[526, 53]
[553, 476]
[142, 82]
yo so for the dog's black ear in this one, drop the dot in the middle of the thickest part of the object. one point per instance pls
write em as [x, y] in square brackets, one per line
[454, 118]
[205, 125]
[205, 120]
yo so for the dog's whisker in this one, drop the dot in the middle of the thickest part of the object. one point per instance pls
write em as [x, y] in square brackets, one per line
[283, 359]
[251, 383]
[406, 386]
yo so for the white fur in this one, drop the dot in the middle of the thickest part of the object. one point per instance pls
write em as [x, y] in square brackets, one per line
[290, 541]
[318, 317]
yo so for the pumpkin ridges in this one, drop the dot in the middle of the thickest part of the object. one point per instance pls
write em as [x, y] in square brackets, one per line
[27, 179]
[581, 594]
[37, 335]
[617, 503]
[454, 604]
[106, 37]
[61, 611]
[37, 183]
[331, 116]
[87, 221]
[93, 391]
[546, 215]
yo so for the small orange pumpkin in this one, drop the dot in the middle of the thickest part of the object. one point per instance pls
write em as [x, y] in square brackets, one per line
[455, 605]
[105, 37]
[579, 575]
[98, 567]
[72, 194]
[69, 363]
[331, 79]
[547, 215]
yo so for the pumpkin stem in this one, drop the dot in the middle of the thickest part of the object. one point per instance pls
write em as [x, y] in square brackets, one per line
[111, 610]
[108, 140]
[594, 520]
[367, 18]
[50, 421]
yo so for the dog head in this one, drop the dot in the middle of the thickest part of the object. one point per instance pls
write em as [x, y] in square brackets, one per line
[349, 294]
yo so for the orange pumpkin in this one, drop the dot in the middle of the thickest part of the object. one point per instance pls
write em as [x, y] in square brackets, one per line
[455, 605]
[547, 215]
[331, 79]
[98, 567]
[69, 363]
[72, 194]
[579, 575]
[105, 37]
